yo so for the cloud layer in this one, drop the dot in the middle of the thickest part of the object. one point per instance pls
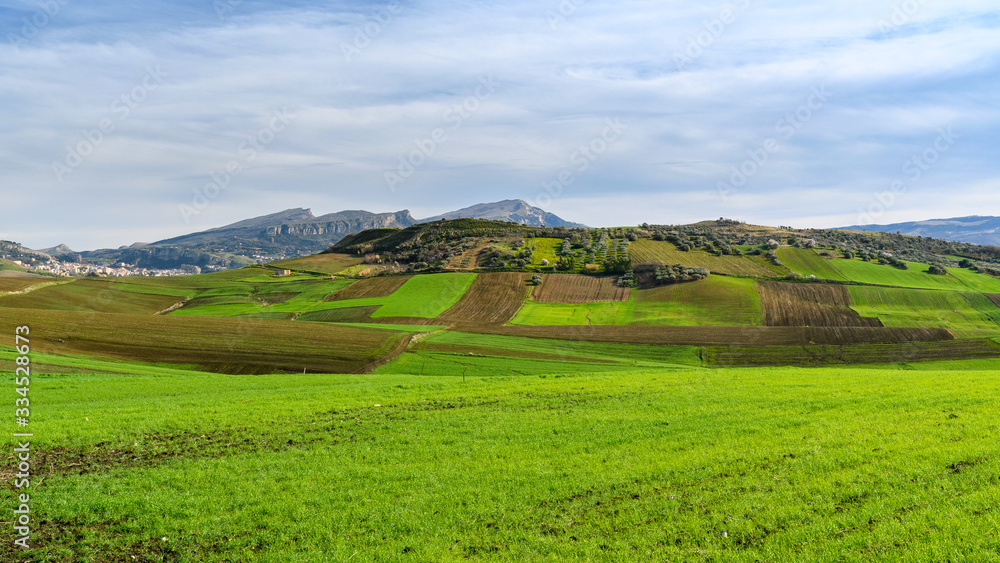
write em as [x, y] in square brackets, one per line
[120, 123]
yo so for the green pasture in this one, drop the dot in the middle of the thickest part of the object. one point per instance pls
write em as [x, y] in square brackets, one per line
[762, 464]
[716, 301]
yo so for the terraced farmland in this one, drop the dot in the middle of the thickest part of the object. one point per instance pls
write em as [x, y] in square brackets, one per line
[645, 251]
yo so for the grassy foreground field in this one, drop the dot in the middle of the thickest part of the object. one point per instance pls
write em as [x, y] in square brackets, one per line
[146, 463]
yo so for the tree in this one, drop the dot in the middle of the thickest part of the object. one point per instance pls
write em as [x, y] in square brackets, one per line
[536, 280]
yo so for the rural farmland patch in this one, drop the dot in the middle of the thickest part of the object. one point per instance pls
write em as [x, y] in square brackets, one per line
[322, 263]
[808, 262]
[383, 286]
[809, 304]
[645, 251]
[13, 284]
[965, 312]
[856, 354]
[719, 335]
[493, 298]
[994, 297]
[89, 295]
[345, 315]
[218, 344]
[576, 288]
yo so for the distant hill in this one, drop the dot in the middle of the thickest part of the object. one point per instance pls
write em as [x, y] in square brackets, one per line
[11, 251]
[513, 210]
[57, 250]
[289, 234]
[975, 229]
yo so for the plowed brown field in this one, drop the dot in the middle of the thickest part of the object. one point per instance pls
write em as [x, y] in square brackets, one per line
[493, 298]
[372, 287]
[856, 354]
[809, 304]
[575, 288]
[994, 297]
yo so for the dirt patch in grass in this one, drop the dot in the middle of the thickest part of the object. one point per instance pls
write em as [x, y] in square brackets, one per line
[994, 297]
[576, 288]
[808, 304]
[493, 298]
[371, 287]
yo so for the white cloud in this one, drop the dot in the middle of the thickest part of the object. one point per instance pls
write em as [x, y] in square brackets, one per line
[555, 87]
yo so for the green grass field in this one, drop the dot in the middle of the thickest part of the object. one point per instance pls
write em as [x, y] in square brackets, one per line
[807, 262]
[645, 251]
[966, 313]
[544, 248]
[425, 296]
[149, 463]
[915, 277]
[716, 301]
[322, 263]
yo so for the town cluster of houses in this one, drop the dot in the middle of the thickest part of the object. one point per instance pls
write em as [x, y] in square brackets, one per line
[81, 269]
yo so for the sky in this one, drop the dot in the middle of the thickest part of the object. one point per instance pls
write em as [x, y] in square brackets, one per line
[137, 121]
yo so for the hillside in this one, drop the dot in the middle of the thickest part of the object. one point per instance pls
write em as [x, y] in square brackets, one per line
[975, 229]
[723, 246]
[513, 210]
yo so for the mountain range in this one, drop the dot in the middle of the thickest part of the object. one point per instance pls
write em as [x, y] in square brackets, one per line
[975, 229]
[292, 233]
[297, 232]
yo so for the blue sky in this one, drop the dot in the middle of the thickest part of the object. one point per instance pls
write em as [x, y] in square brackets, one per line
[122, 118]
